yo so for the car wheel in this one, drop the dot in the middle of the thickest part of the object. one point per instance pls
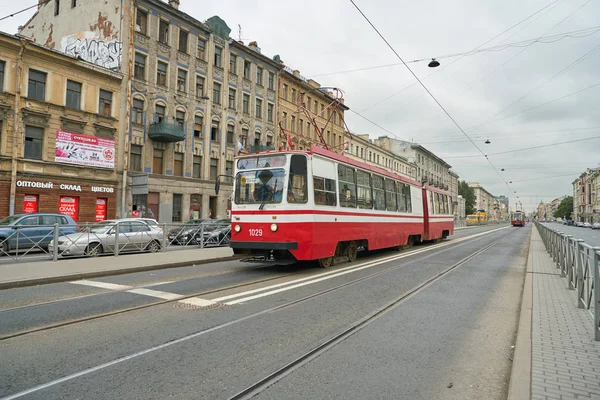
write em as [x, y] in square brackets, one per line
[4, 247]
[93, 250]
[153, 246]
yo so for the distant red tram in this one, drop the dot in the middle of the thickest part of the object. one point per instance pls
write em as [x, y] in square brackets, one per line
[517, 218]
[320, 205]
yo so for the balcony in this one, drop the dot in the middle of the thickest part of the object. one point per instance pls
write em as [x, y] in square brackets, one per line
[166, 131]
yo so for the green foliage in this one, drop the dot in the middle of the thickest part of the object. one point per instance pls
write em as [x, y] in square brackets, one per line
[565, 208]
[469, 195]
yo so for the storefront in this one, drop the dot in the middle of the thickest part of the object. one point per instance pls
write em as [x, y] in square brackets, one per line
[84, 201]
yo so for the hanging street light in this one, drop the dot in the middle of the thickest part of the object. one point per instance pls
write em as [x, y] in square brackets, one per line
[434, 63]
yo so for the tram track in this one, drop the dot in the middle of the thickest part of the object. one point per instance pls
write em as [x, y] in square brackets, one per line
[272, 378]
[414, 251]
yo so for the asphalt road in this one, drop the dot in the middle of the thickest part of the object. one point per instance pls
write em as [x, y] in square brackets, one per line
[590, 236]
[450, 337]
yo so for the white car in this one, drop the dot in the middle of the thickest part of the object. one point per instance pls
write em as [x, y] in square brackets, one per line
[587, 225]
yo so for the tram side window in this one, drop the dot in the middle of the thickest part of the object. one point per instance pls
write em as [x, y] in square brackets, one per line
[378, 193]
[446, 207]
[324, 191]
[347, 182]
[297, 186]
[431, 203]
[408, 199]
[390, 195]
[363, 182]
[437, 202]
[401, 197]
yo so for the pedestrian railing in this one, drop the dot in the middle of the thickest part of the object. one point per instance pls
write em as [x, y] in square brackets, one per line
[580, 264]
[43, 242]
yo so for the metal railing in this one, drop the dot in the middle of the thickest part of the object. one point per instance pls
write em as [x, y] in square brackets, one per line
[580, 264]
[53, 242]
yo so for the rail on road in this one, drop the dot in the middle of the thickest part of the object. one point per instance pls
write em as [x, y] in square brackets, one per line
[580, 264]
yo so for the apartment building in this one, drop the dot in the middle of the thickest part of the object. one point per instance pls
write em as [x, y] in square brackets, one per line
[362, 148]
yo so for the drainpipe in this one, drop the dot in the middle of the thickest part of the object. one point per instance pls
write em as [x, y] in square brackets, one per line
[128, 110]
[13, 169]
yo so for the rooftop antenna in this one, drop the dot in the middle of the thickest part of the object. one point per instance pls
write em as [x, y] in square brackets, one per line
[239, 32]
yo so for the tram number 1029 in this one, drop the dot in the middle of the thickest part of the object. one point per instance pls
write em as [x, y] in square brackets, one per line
[256, 232]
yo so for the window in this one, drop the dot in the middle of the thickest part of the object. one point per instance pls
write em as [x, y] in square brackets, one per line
[247, 69]
[363, 185]
[34, 140]
[161, 73]
[163, 32]
[37, 85]
[378, 192]
[324, 191]
[218, 57]
[284, 119]
[73, 94]
[199, 86]
[160, 113]
[316, 107]
[244, 137]
[177, 198]
[137, 111]
[141, 21]
[140, 66]
[214, 131]
[347, 179]
[178, 164]
[390, 195]
[233, 63]
[285, 92]
[230, 133]
[201, 51]
[56, 7]
[105, 103]
[214, 167]
[258, 108]
[256, 138]
[216, 93]
[293, 127]
[157, 162]
[270, 107]
[135, 163]
[298, 187]
[183, 41]
[308, 102]
[182, 80]
[229, 168]
[293, 96]
[259, 76]
[197, 166]
[73, 3]
[403, 192]
[198, 122]
[322, 109]
[246, 103]
[2, 65]
[269, 140]
[271, 81]
[232, 98]
[180, 117]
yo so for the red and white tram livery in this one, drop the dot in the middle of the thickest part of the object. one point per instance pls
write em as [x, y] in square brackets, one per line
[320, 205]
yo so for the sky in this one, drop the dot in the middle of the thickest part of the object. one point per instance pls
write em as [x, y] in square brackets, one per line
[516, 97]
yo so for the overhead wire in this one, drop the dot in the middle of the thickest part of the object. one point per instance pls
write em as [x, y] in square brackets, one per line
[41, 3]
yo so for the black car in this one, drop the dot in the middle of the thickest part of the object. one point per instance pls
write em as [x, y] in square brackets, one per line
[186, 234]
[216, 232]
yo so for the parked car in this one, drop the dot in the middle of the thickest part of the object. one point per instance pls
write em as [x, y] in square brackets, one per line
[29, 231]
[586, 225]
[579, 223]
[102, 237]
[216, 232]
[596, 225]
[186, 234]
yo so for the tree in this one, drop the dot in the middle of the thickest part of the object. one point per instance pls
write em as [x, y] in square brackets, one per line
[469, 195]
[565, 208]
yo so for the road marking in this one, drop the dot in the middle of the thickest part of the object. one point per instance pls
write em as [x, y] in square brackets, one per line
[198, 302]
[103, 285]
[281, 287]
[156, 293]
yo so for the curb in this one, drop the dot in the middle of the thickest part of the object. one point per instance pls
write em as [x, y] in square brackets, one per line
[520, 378]
[99, 274]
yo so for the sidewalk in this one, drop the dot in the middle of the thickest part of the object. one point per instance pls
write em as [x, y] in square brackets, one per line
[556, 356]
[44, 272]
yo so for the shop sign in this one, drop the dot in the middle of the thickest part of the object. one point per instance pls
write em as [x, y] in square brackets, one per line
[64, 186]
[100, 209]
[30, 204]
[91, 151]
[39, 185]
[69, 206]
[102, 189]
[76, 188]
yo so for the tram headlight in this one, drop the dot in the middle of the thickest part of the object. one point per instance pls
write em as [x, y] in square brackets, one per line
[237, 228]
[274, 227]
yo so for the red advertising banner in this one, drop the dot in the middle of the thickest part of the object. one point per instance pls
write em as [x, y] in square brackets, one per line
[69, 206]
[73, 148]
[101, 209]
[30, 203]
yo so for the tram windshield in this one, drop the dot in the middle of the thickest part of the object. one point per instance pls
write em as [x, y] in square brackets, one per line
[262, 186]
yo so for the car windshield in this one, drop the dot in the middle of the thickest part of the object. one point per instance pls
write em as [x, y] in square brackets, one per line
[9, 220]
[256, 187]
[100, 228]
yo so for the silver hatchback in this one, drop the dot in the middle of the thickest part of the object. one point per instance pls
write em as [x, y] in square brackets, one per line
[124, 235]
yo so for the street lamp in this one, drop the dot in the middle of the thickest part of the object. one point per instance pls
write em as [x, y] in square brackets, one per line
[433, 63]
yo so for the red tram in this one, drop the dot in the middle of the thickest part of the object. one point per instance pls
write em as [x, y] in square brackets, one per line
[517, 218]
[320, 205]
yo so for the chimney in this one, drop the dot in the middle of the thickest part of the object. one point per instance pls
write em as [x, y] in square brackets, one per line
[297, 73]
[253, 45]
[174, 4]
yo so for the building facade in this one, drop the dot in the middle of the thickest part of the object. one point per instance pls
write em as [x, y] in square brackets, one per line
[362, 148]
[302, 101]
[585, 197]
[192, 97]
[484, 200]
[59, 135]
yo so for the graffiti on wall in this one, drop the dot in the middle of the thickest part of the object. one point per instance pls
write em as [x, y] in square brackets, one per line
[105, 53]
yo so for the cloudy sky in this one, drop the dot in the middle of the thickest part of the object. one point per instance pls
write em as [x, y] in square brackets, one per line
[322, 38]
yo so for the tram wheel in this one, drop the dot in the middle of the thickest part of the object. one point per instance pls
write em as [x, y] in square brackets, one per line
[352, 251]
[326, 262]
